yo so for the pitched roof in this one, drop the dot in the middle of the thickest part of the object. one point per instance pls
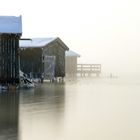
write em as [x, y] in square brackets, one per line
[71, 53]
[10, 24]
[39, 42]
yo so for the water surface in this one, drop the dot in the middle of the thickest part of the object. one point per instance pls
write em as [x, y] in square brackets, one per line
[82, 109]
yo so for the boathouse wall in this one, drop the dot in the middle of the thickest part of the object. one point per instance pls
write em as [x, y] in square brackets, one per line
[59, 53]
[9, 58]
[31, 61]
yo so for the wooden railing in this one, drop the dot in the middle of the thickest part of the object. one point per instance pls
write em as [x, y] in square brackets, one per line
[88, 69]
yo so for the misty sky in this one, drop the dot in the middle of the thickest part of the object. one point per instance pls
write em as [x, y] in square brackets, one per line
[101, 31]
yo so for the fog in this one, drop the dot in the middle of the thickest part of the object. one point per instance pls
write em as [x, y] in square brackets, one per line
[105, 32]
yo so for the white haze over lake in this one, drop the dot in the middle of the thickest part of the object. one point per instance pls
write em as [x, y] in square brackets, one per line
[103, 31]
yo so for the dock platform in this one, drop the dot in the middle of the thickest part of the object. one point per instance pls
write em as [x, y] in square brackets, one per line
[88, 69]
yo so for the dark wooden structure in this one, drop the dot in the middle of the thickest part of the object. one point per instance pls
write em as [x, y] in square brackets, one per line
[71, 63]
[33, 56]
[9, 49]
[31, 61]
[88, 69]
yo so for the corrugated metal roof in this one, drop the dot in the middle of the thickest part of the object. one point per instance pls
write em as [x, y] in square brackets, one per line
[10, 24]
[71, 53]
[36, 42]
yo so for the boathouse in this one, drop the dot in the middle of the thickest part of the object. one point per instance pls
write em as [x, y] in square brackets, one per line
[71, 63]
[10, 33]
[43, 57]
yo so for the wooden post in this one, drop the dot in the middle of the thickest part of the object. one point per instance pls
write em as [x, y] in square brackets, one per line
[81, 70]
[90, 71]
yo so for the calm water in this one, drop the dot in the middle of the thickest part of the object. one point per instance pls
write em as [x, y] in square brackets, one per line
[84, 109]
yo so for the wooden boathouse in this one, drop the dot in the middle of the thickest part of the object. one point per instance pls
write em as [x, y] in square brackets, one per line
[10, 33]
[43, 57]
[71, 63]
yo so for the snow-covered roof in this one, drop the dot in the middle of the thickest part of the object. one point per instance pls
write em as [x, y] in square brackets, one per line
[40, 42]
[36, 42]
[71, 53]
[10, 24]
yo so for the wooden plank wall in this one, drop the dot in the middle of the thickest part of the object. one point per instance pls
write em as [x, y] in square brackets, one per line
[9, 59]
[59, 53]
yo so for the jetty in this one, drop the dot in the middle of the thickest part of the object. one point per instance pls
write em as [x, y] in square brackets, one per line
[88, 69]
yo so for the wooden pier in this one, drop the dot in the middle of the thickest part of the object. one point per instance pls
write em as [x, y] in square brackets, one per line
[88, 69]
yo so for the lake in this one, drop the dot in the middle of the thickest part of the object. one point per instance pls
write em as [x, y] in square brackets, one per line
[78, 109]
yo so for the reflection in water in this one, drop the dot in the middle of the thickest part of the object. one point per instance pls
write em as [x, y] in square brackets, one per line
[41, 112]
[85, 109]
[9, 104]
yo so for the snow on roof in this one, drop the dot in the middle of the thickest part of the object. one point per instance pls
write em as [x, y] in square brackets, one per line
[71, 53]
[10, 24]
[35, 42]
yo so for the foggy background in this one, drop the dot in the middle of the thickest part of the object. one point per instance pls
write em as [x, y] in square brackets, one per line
[103, 31]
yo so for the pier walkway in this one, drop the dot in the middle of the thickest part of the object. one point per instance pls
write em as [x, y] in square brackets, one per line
[88, 69]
